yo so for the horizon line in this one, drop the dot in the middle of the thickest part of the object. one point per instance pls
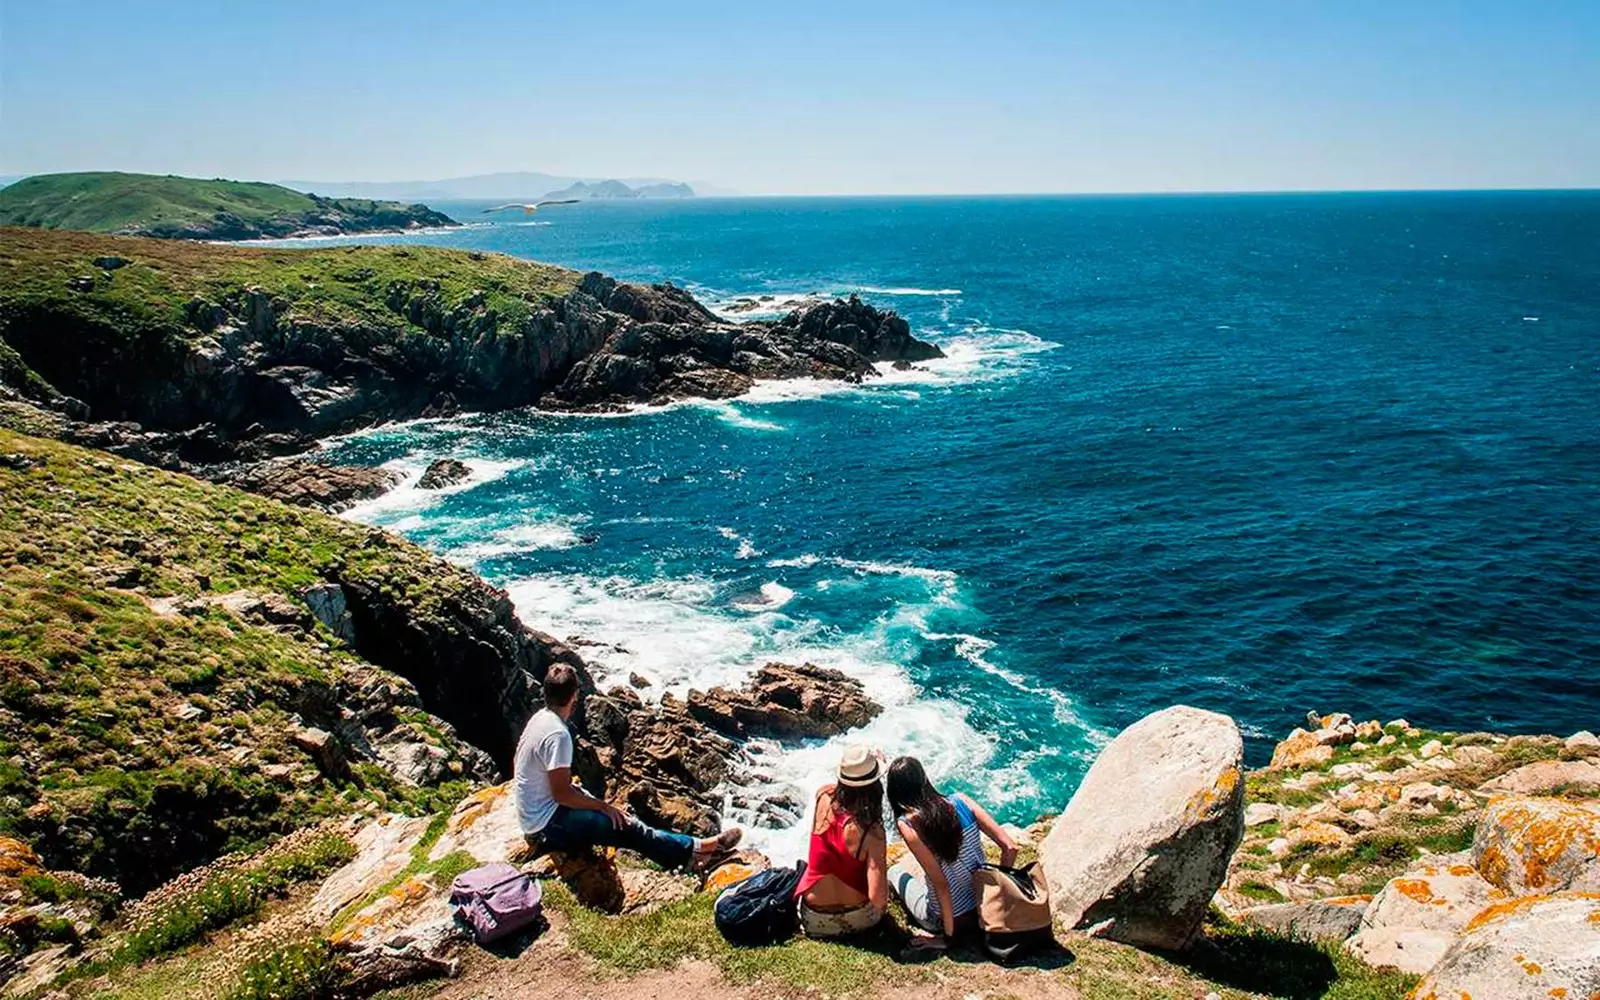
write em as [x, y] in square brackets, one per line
[1551, 189]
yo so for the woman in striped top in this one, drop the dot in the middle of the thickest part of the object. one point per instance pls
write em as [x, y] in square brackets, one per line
[945, 836]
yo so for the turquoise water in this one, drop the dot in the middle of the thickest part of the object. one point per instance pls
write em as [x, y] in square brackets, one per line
[1254, 453]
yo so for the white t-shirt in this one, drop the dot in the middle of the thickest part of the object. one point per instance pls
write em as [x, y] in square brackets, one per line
[545, 745]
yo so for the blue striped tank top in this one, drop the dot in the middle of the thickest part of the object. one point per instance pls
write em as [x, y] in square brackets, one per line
[958, 873]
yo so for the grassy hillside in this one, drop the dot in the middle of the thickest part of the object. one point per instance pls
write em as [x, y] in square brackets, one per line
[146, 702]
[153, 286]
[118, 300]
[151, 205]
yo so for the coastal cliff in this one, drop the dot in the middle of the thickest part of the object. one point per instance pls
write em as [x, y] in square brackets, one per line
[185, 355]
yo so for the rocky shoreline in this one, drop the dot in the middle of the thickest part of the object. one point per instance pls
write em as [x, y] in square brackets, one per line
[259, 368]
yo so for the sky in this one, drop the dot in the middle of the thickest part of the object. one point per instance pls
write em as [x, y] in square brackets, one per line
[817, 98]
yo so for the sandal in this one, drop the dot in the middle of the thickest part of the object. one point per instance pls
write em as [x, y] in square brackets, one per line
[722, 845]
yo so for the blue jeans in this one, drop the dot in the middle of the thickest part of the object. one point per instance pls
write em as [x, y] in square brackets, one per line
[907, 881]
[572, 829]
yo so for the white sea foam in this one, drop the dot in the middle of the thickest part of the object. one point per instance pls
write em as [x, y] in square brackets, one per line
[392, 508]
[909, 291]
[943, 584]
[677, 634]
[527, 536]
[370, 236]
[746, 550]
[973, 648]
[729, 413]
[772, 596]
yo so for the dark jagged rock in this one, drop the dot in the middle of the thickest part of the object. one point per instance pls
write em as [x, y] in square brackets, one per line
[675, 348]
[442, 473]
[787, 701]
[660, 761]
[473, 662]
[330, 488]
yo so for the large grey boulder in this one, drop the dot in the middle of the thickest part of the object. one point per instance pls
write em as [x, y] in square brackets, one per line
[1332, 919]
[1145, 842]
[1533, 948]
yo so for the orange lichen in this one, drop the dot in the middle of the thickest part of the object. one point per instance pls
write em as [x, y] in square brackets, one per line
[1558, 993]
[1463, 870]
[1415, 889]
[475, 806]
[1494, 866]
[1205, 800]
[1546, 837]
[1501, 911]
[17, 859]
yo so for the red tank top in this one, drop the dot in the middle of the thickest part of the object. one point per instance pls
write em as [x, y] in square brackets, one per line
[830, 855]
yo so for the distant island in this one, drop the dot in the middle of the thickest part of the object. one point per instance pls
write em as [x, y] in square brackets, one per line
[169, 207]
[609, 190]
[523, 185]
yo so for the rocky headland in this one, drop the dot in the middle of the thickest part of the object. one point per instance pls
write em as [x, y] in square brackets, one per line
[190, 208]
[211, 358]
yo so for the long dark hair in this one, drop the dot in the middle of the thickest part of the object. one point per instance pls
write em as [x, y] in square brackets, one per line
[863, 803]
[914, 799]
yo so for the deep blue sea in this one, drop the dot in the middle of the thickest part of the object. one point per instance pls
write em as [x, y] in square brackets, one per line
[1259, 454]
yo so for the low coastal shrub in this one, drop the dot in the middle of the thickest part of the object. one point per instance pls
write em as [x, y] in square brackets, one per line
[207, 899]
[302, 967]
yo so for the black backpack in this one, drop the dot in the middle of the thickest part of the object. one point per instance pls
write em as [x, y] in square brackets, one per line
[761, 909]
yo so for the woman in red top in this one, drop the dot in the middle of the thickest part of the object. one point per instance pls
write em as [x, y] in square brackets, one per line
[846, 886]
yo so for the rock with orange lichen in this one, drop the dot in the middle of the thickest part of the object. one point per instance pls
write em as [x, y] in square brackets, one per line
[1547, 777]
[18, 859]
[1533, 845]
[1317, 834]
[383, 850]
[1301, 749]
[485, 825]
[1533, 948]
[1415, 918]
[1145, 842]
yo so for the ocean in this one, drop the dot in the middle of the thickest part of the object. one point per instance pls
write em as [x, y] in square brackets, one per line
[1259, 454]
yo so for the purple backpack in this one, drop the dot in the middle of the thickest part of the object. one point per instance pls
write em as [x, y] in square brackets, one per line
[495, 900]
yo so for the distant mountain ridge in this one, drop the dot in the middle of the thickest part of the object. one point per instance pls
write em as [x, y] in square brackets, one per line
[616, 190]
[506, 186]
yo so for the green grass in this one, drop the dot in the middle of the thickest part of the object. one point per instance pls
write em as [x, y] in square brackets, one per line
[1230, 960]
[684, 930]
[1261, 963]
[147, 204]
[1261, 893]
[117, 345]
[91, 676]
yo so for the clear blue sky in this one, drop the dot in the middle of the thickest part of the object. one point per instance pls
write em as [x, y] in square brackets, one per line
[825, 97]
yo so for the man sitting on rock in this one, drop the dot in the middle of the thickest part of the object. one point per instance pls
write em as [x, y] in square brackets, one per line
[558, 815]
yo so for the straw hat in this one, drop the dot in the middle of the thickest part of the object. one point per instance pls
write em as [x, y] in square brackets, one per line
[858, 766]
